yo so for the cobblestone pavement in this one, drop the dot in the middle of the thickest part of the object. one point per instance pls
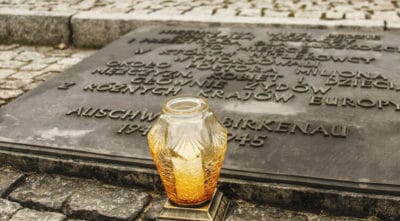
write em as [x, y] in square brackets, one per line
[49, 197]
[320, 9]
[22, 68]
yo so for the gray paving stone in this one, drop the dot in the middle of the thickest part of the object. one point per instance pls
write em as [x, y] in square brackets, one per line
[383, 6]
[33, 67]
[11, 64]
[7, 55]
[44, 49]
[32, 27]
[276, 14]
[29, 56]
[33, 215]
[307, 14]
[25, 48]
[393, 25]
[13, 85]
[6, 72]
[257, 213]
[356, 15]
[8, 178]
[61, 53]
[24, 75]
[49, 60]
[154, 209]
[84, 5]
[333, 15]
[69, 61]
[47, 192]
[7, 47]
[7, 209]
[385, 15]
[95, 202]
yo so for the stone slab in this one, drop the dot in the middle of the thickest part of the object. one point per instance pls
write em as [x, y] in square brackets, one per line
[96, 202]
[100, 109]
[7, 209]
[45, 192]
[33, 215]
[30, 27]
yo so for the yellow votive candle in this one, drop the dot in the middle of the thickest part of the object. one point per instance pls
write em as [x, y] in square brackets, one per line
[189, 178]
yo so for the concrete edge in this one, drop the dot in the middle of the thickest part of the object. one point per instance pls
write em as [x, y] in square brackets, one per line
[273, 21]
[293, 197]
[392, 25]
[37, 28]
[25, 12]
[95, 29]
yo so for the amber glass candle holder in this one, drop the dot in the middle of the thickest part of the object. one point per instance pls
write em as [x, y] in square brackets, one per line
[188, 145]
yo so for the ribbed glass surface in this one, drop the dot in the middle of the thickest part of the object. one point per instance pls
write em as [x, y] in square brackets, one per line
[188, 146]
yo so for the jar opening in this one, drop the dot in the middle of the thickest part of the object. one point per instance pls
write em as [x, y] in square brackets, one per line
[185, 105]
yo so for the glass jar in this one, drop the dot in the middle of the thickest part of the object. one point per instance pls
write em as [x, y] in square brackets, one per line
[188, 144]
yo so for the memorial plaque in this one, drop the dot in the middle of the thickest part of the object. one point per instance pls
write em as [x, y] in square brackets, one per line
[313, 107]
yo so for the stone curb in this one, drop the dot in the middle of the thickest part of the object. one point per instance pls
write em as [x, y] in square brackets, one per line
[95, 29]
[53, 197]
[91, 29]
[392, 25]
[30, 27]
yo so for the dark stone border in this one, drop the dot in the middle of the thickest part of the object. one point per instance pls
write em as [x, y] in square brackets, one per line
[288, 196]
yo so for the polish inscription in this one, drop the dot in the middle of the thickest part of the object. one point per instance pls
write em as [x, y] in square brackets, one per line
[275, 67]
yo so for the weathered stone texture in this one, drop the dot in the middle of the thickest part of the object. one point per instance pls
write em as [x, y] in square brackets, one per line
[30, 27]
[154, 209]
[13, 84]
[245, 211]
[7, 180]
[95, 202]
[93, 30]
[7, 209]
[45, 191]
[6, 72]
[33, 215]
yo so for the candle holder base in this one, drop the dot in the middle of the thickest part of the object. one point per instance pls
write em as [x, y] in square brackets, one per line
[214, 210]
